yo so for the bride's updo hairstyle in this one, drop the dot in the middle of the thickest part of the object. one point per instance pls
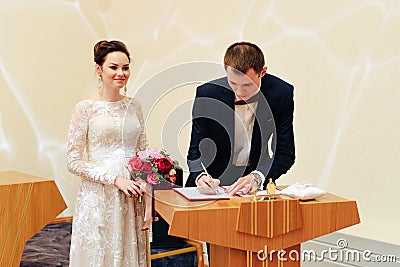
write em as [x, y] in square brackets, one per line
[103, 48]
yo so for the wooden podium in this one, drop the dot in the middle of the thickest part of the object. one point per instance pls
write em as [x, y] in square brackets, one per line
[27, 204]
[244, 232]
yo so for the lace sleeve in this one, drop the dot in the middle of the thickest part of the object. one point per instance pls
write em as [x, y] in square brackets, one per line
[142, 139]
[77, 138]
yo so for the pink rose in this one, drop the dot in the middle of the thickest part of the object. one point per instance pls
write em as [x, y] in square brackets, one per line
[152, 153]
[152, 178]
[147, 168]
[135, 163]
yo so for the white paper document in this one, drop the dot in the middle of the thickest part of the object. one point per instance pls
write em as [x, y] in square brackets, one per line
[192, 194]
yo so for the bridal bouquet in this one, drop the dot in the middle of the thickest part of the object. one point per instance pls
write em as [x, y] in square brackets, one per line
[156, 168]
[152, 166]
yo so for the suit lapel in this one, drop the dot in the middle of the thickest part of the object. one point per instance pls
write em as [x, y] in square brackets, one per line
[229, 119]
[263, 128]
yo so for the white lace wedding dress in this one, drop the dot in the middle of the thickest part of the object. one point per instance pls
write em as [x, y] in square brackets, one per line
[106, 229]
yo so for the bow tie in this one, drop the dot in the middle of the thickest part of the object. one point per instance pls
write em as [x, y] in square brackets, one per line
[252, 99]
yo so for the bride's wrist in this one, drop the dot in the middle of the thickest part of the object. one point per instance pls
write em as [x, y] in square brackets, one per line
[117, 182]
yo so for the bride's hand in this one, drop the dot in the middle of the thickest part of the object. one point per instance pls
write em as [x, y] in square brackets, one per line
[129, 187]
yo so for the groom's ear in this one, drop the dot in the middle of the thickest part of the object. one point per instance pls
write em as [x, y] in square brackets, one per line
[263, 71]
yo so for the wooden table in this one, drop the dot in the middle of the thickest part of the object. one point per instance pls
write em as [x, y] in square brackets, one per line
[244, 232]
[27, 204]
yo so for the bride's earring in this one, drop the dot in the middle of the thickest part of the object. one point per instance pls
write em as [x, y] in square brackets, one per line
[99, 85]
[125, 90]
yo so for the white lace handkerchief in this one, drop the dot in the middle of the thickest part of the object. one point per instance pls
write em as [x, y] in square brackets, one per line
[303, 191]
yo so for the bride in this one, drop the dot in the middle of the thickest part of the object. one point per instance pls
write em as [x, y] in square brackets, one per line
[108, 221]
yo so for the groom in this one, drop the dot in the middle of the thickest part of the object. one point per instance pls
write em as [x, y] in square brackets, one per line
[242, 125]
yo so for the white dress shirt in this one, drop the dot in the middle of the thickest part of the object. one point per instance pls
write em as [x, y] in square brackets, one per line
[244, 124]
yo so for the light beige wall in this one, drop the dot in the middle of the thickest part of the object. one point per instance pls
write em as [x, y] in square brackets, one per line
[342, 56]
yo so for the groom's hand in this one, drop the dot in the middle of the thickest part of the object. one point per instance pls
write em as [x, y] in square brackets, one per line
[207, 185]
[243, 184]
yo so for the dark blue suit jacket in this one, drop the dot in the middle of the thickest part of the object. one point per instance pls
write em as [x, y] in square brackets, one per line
[212, 136]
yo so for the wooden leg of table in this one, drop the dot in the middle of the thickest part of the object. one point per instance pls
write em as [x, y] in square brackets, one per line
[230, 257]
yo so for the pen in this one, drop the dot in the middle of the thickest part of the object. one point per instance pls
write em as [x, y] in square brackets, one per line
[207, 183]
